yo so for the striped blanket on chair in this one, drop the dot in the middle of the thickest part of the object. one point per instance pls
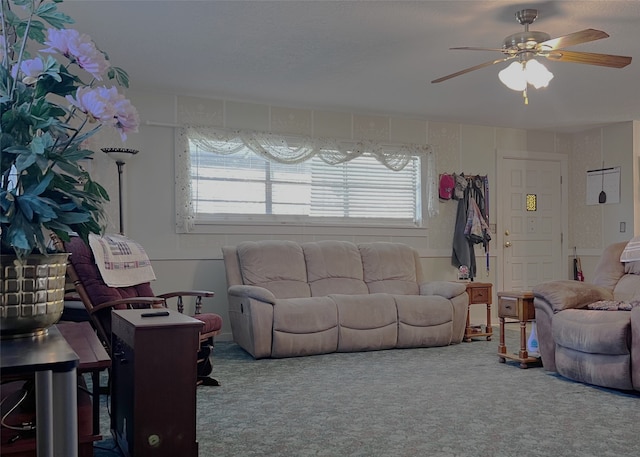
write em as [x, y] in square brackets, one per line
[122, 262]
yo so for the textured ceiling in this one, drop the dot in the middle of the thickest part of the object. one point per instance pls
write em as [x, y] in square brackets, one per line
[373, 57]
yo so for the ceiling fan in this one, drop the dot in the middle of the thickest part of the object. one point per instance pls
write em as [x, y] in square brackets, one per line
[524, 46]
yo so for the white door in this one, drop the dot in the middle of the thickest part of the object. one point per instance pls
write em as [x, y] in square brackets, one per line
[532, 218]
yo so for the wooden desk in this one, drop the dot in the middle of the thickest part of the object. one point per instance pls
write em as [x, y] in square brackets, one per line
[479, 293]
[93, 359]
[516, 305]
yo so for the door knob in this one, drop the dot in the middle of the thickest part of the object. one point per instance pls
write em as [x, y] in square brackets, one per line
[507, 244]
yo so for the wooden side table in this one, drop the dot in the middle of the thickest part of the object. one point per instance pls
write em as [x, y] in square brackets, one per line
[479, 293]
[153, 390]
[54, 364]
[516, 305]
[93, 359]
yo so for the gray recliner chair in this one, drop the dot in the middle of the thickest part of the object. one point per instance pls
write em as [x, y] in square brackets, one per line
[590, 332]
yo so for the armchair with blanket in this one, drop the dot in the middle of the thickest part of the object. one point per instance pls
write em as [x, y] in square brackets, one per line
[126, 284]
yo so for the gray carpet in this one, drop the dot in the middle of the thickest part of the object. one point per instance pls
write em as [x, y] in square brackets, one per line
[453, 401]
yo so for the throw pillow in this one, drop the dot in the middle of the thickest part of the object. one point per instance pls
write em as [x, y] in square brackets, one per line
[631, 251]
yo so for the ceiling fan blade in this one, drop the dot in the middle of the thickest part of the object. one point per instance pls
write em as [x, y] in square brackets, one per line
[467, 70]
[583, 36]
[590, 58]
[471, 48]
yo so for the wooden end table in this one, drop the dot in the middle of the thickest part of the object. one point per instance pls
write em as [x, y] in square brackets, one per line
[479, 293]
[93, 359]
[516, 305]
[53, 363]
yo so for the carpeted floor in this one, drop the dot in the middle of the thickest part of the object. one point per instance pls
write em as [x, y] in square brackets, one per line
[453, 401]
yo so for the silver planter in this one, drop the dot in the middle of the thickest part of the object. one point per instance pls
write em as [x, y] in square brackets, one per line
[32, 294]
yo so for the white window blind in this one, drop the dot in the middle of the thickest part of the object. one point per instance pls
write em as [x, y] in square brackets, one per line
[363, 188]
[233, 176]
[245, 185]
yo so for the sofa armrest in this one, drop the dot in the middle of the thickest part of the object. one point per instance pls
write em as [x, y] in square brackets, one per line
[567, 294]
[446, 289]
[635, 350]
[255, 292]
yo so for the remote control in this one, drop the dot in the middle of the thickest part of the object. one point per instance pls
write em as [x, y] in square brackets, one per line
[155, 314]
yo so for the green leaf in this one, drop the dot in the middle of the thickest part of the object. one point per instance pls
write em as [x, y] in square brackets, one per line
[24, 161]
[5, 82]
[65, 84]
[27, 3]
[68, 206]
[73, 155]
[32, 204]
[11, 18]
[41, 186]
[59, 228]
[42, 163]
[69, 167]
[121, 76]
[36, 30]
[41, 143]
[96, 189]
[7, 200]
[18, 234]
[73, 218]
[49, 12]
[63, 235]
[51, 68]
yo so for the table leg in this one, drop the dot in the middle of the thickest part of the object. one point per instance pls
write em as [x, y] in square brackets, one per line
[44, 413]
[95, 382]
[523, 340]
[467, 330]
[502, 349]
[65, 412]
[489, 329]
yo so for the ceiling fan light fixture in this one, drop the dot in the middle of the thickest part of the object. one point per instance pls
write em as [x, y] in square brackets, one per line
[537, 74]
[514, 77]
[518, 74]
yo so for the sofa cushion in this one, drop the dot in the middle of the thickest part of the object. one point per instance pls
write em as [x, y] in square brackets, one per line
[366, 322]
[628, 288]
[304, 315]
[303, 326]
[612, 371]
[389, 268]
[592, 331]
[424, 321]
[334, 267]
[609, 269]
[278, 266]
[446, 289]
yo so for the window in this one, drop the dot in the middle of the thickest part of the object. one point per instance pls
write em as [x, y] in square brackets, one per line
[245, 186]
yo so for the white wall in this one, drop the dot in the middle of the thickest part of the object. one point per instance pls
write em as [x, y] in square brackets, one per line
[185, 261]
[593, 227]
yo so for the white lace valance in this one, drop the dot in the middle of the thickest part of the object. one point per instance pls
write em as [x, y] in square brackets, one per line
[288, 149]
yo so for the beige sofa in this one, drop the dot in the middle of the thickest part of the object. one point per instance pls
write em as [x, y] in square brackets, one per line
[590, 332]
[289, 299]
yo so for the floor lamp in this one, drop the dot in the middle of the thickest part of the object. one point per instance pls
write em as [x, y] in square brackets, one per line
[120, 155]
